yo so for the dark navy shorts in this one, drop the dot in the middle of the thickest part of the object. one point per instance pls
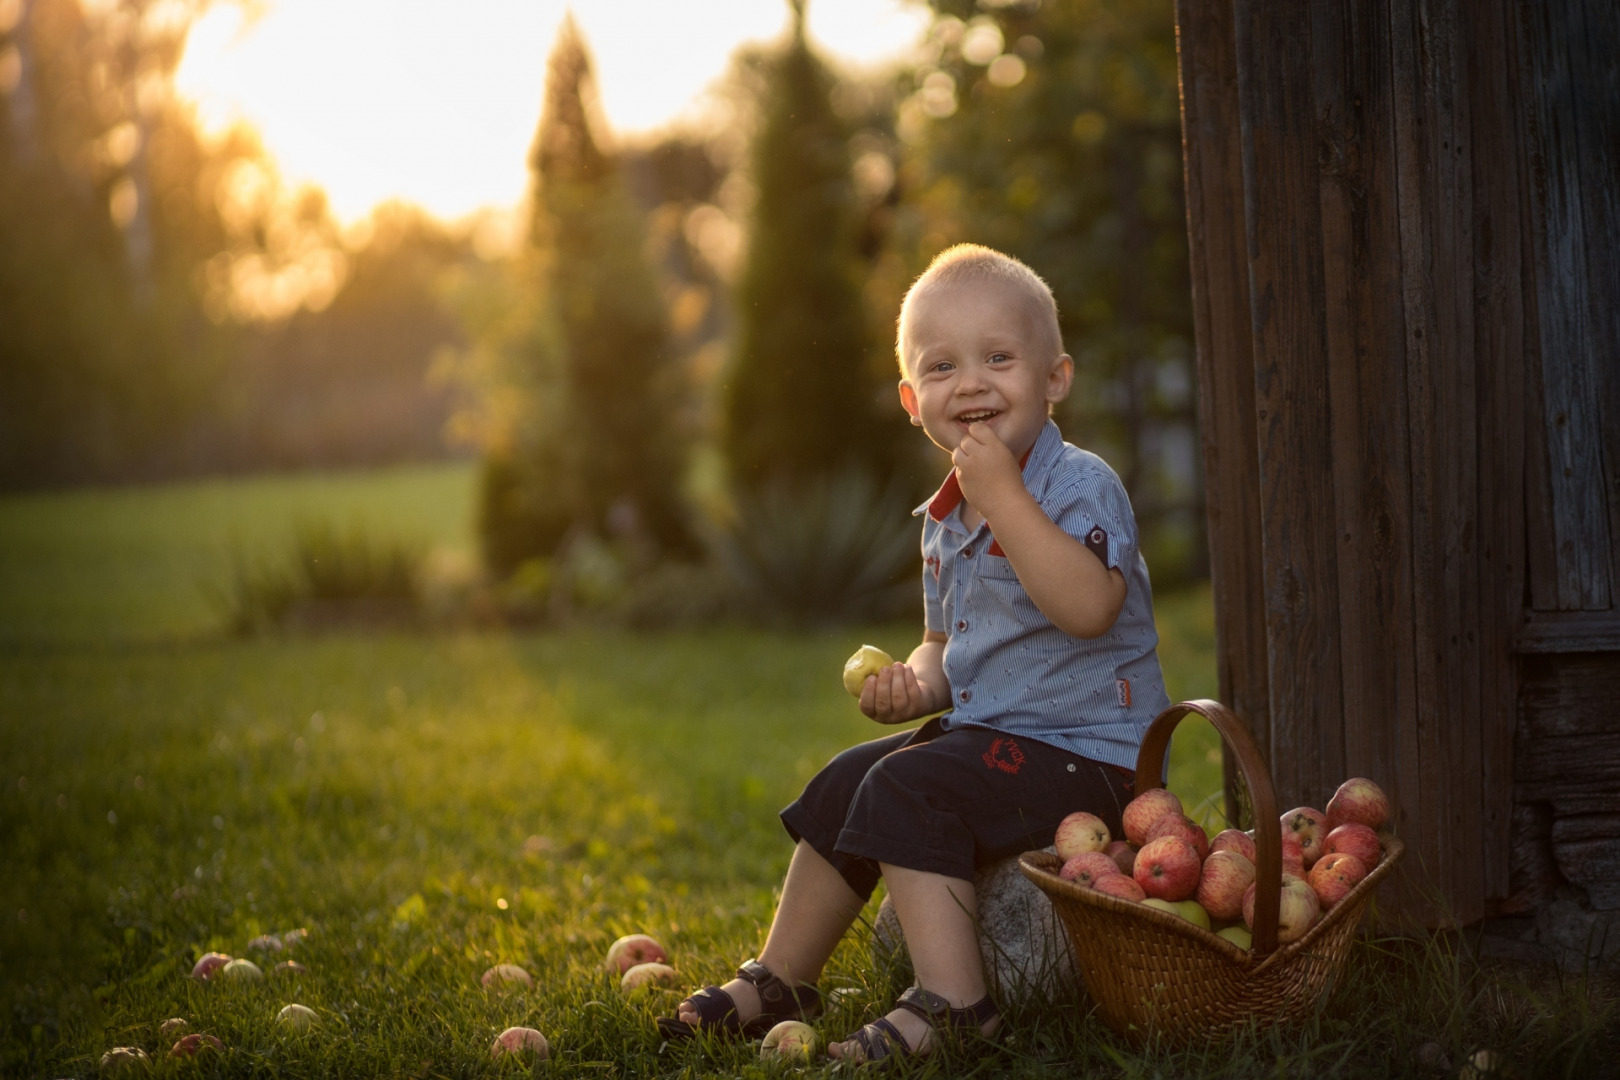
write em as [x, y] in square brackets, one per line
[946, 802]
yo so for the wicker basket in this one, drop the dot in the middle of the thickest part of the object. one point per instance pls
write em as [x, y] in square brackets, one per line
[1154, 973]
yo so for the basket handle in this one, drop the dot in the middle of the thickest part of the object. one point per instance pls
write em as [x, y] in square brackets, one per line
[1150, 761]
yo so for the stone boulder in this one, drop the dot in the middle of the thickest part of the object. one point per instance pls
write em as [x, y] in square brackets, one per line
[1025, 948]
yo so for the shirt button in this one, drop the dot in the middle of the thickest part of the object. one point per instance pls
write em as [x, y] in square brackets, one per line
[966, 695]
[967, 553]
[961, 624]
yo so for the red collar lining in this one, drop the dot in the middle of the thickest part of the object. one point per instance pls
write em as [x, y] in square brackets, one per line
[949, 494]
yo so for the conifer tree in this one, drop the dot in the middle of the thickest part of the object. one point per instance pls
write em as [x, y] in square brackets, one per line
[802, 401]
[598, 451]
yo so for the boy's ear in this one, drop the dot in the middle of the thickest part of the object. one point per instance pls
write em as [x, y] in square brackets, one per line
[1060, 378]
[908, 399]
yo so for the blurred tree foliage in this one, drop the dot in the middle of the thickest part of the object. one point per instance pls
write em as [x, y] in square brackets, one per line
[1052, 131]
[801, 399]
[580, 434]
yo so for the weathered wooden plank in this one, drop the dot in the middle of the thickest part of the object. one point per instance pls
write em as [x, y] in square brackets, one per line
[1221, 320]
[1499, 341]
[1585, 762]
[1285, 288]
[1564, 292]
[1588, 852]
[1361, 269]
[1569, 632]
[1569, 694]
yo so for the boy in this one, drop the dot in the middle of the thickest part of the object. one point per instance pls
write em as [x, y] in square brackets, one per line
[1039, 640]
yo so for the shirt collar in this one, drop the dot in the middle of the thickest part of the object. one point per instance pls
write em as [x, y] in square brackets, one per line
[1035, 462]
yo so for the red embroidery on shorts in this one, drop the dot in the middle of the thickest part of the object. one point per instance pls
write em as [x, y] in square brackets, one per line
[1004, 755]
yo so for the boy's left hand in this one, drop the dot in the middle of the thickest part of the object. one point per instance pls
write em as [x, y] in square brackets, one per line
[895, 695]
[986, 469]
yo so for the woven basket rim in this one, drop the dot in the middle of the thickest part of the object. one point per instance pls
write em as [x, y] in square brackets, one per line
[1031, 864]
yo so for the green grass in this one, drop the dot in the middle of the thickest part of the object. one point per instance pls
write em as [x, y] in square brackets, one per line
[431, 805]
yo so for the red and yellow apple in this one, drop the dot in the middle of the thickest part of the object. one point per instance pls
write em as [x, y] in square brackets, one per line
[650, 974]
[1234, 840]
[1182, 826]
[1226, 874]
[1120, 886]
[1080, 832]
[793, 1040]
[1334, 875]
[520, 1040]
[1309, 827]
[1123, 852]
[1141, 812]
[633, 949]
[1297, 909]
[209, 965]
[1358, 800]
[1354, 838]
[1086, 867]
[504, 975]
[1168, 868]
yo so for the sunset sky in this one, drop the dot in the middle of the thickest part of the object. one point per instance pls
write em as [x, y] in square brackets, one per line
[437, 103]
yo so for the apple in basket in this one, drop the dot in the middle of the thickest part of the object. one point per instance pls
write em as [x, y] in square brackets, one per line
[1297, 909]
[1361, 801]
[1123, 852]
[1309, 828]
[1225, 877]
[1186, 828]
[1234, 840]
[1120, 886]
[1086, 867]
[1334, 875]
[1080, 832]
[1355, 839]
[1168, 869]
[1293, 855]
[1141, 812]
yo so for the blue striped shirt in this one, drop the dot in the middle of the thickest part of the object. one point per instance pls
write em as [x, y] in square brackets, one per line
[1009, 668]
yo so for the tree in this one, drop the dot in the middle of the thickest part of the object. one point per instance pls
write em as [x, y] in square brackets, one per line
[592, 445]
[801, 400]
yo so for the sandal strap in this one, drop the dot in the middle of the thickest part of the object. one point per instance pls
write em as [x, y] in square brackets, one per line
[881, 1039]
[777, 999]
[939, 1013]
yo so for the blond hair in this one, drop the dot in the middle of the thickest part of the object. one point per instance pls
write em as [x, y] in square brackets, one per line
[967, 264]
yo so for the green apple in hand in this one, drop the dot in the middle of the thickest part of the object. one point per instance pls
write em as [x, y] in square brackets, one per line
[868, 660]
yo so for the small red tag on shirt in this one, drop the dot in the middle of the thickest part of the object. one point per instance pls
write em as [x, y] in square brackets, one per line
[1124, 688]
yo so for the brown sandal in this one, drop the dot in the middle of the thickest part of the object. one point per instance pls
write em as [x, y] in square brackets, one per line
[881, 1039]
[718, 1013]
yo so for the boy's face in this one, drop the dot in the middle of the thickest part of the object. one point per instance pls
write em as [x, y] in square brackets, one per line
[978, 353]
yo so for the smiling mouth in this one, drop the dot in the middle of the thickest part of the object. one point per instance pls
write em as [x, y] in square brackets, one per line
[980, 416]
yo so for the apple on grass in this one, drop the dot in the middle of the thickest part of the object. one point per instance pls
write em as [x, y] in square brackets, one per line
[1309, 827]
[1119, 886]
[1358, 800]
[1185, 827]
[520, 1040]
[1168, 868]
[297, 1017]
[868, 660]
[172, 1026]
[1123, 852]
[793, 1040]
[1081, 832]
[649, 974]
[241, 971]
[633, 949]
[122, 1058]
[1221, 884]
[1297, 909]
[191, 1045]
[1234, 840]
[210, 963]
[502, 975]
[1086, 867]
[1334, 875]
[1141, 812]
[1354, 838]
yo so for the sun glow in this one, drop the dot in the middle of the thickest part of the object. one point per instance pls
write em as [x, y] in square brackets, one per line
[436, 104]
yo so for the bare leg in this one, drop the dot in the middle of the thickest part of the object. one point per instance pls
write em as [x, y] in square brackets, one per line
[816, 909]
[937, 914]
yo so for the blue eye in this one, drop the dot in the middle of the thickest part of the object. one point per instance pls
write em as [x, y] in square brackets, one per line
[1000, 357]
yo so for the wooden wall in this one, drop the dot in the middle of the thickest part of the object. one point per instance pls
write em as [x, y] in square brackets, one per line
[1368, 207]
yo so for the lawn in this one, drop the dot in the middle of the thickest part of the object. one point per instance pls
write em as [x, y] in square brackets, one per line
[430, 805]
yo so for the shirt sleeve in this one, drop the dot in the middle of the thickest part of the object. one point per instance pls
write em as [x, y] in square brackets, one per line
[933, 606]
[1093, 508]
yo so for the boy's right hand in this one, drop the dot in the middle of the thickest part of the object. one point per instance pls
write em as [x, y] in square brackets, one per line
[895, 695]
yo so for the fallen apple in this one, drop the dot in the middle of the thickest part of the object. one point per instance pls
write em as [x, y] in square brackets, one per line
[292, 937]
[502, 975]
[1120, 886]
[645, 975]
[1221, 884]
[520, 1040]
[297, 1017]
[210, 963]
[793, 1040]
[1234, 840]
[633, 949]
[190, 1045]
[1123, 852]
[1081, 832]
[266, 943]
[1354, 838]
[868, 660]
[241, 971]
[122, 1059]
[172, 1026]
[1168, 868]
[1141, 812]
[290, 967]
[1086, 867]
[1358, 800]
[1240, 936]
